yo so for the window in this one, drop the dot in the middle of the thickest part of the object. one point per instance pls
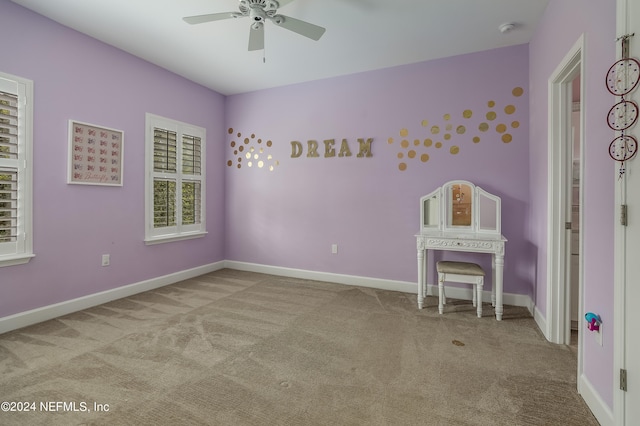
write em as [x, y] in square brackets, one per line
[16, 117]
[175, 180]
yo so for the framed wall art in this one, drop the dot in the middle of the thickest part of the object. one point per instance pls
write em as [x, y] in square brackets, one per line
[95, 154]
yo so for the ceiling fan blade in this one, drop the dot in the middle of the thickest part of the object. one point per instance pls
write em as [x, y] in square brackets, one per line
[306, 29]
[200, 19]
[256, 37]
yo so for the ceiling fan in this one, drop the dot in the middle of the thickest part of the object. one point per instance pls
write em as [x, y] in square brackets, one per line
[259, 11]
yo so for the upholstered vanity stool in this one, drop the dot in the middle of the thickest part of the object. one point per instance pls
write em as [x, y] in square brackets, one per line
[460, 272]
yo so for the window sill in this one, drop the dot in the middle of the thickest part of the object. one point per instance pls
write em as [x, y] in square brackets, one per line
[170, 238]
[17, 259]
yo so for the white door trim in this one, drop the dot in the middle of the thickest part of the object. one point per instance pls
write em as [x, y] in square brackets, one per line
[623, 26]
[558, 159]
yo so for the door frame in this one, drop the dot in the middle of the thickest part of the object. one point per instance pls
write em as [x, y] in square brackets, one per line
[559, 205]
[624, 25]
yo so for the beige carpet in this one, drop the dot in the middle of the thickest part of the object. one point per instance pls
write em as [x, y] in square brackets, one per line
[239, 348]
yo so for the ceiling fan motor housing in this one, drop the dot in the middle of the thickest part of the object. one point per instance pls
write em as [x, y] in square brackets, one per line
[258, 10]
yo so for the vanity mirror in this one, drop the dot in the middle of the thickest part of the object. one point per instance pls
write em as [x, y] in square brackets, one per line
[460, 206]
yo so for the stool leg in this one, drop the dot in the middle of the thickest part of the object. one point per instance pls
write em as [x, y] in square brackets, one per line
[474, 295]
[479, 297]
[440, 294]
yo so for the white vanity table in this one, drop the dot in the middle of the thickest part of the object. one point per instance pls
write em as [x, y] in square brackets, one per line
[460, 216]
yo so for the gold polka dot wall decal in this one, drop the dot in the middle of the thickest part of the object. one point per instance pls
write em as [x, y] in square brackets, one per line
[506, 138]
[454, 150]
[515, 124]
[404, 133]
[438, 144]
[476, 139]
[460, 130]
[249, 151]
[467, 113]
[425, 123]
[435, 130]
[428, 142]
[501, 128]
[447, 136]
[424, 158]
[402, 166]
[404, 143]
[491, 104]
[483, 127]
[491, 115]
[509, 109]
[230, 130]
[517, 92]
[390, 141]
[447, 117]
[411, 154]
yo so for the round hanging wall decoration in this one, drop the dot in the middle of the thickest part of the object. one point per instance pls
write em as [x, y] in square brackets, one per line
[623, 148]
[622, 115]
[623, 76]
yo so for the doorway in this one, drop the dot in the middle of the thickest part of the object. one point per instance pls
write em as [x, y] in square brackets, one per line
[575, 268]
[566, 122]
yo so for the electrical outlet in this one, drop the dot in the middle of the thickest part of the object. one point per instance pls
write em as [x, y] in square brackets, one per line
[334, 249]
[106, 259]
[599, 335]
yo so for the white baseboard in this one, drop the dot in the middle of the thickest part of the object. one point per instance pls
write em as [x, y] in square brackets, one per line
[598, 407]
[34, 316]
[541, 320]
[404, 286]
[393, 285]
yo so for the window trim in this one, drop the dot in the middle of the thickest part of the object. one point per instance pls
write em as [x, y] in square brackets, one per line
[179, 232]
[24, 247]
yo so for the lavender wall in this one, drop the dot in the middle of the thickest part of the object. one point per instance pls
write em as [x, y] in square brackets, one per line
[290, 216]
[563, 23]
[77, 77]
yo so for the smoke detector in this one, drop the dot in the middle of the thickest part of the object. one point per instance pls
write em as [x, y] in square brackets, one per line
[506, 27]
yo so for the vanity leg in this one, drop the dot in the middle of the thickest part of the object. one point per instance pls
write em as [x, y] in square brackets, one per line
[493, 280]
[498, 283]
[421, 283]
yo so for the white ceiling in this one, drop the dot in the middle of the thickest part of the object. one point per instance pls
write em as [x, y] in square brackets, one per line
[360, 35]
